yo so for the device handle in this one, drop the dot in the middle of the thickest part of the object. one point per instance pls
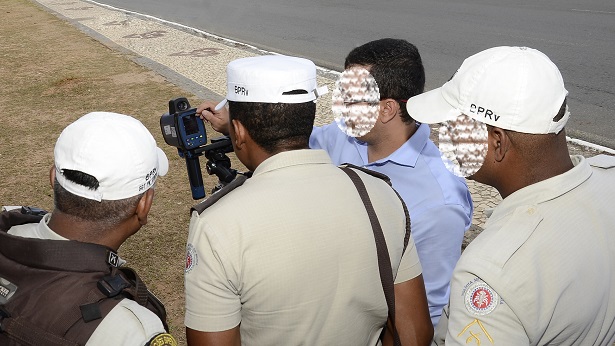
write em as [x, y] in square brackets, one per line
[195, 176]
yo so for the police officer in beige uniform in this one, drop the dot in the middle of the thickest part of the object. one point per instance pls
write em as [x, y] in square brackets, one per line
[440, 203]
[542, 271]
[289, 257]
[105, 169]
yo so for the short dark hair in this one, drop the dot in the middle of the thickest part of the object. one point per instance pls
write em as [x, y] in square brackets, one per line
[105, 211]
[396, 66]
[276, 126]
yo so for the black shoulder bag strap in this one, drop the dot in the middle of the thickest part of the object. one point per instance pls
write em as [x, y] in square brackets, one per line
[384, 261]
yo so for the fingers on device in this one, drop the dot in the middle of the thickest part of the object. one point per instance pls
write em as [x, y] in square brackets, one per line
[183, 129]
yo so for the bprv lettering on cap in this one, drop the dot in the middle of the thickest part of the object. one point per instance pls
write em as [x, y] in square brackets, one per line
[484, 112]
[514, 88]
[239, 90]
[270, 78]
[116, 149]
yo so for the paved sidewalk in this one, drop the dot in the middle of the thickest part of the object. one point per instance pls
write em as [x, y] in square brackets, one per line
[196, 61]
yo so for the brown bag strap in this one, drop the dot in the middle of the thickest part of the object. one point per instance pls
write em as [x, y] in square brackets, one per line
[139, 292]
[25, 333]
[62, 333]
[386, 179]
[384, 261]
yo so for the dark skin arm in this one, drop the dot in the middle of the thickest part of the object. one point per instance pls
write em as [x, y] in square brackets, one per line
[229, 337]
[411, 314]
[218, 119]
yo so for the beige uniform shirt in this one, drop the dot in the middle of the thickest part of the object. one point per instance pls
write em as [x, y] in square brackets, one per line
[128, 323]
[291, 256]
[543, 270]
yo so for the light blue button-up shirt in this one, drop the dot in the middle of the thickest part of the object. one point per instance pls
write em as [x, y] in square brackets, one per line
[439, 203]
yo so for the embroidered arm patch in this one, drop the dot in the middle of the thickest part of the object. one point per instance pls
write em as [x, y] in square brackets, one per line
[480, 299]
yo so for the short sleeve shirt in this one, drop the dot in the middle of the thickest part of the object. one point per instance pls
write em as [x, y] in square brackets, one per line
[541, 272]
[291, 256]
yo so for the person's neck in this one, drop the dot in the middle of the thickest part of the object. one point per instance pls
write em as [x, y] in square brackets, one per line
[75, 228]
[258, 155]
[558, 162]
[395, 134]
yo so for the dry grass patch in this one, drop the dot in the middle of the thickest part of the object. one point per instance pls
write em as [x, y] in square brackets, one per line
[51, 74]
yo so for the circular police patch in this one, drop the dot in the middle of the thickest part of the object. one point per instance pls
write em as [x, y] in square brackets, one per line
[192, 258]
[480, 299]
[162, 339]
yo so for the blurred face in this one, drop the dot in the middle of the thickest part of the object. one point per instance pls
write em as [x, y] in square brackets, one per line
[356, 101]
[463, 143]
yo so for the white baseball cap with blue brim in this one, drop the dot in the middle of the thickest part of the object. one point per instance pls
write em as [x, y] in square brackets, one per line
[270, 78]
[513, 88]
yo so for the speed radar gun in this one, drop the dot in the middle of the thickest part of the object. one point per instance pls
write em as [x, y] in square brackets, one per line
[183, 129]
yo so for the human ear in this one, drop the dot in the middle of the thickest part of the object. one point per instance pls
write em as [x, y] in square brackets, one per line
[239, 133]
[52, 175]
[144, 206]
[500, 142]
[388, 110]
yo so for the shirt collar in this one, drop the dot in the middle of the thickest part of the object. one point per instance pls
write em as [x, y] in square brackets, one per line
[545, 190]
[293, 158]
[406, 155]
[44, 232]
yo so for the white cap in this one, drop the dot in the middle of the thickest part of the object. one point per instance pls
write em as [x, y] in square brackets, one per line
[513, 88]
[266, 78]
[115, 149]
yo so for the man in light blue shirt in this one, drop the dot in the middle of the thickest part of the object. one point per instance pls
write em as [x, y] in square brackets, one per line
[439, 203]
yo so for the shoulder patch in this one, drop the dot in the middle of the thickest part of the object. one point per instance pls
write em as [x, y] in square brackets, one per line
[162, 339]
[480, 299]
[238, 181]
[192, 258]
[602, 161]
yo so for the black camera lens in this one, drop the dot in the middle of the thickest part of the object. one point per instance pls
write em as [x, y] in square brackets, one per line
[182, 106]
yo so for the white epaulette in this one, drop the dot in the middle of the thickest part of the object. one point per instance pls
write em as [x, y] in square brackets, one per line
[602, 161]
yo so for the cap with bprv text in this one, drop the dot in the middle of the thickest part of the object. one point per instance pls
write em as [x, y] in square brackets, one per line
[513, 88]
[115, 149]
[269, 78]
